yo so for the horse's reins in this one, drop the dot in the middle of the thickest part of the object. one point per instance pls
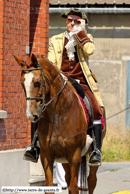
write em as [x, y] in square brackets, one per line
[43, 104]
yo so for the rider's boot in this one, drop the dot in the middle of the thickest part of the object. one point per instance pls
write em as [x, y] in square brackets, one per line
[33, 154]
[96, 157]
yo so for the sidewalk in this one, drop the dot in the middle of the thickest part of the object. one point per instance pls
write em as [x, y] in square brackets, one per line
[113, 177]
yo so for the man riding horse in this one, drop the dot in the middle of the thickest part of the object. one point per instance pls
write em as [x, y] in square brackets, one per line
[69, 51]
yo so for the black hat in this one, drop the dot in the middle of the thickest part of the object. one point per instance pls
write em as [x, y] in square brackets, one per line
[77, 12]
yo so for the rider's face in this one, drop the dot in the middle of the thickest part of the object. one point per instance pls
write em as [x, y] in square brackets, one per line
[71, 21]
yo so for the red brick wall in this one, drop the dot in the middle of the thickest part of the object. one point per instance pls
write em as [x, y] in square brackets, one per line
[17, 28]
[39, 26]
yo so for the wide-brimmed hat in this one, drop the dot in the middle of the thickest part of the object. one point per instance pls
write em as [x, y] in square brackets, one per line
[77, 12]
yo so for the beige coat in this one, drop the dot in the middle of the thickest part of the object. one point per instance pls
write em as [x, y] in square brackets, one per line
[55, 53]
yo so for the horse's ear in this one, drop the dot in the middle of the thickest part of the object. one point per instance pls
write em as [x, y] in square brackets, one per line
[20, 61]
[34, 60]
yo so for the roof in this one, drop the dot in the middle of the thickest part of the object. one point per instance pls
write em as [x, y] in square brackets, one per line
[89, 2]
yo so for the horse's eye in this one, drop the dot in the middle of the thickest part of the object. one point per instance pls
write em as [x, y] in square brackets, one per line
[37, 83]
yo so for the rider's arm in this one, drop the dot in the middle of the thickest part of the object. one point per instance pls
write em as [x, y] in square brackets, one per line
[86, 42]
[83, 39]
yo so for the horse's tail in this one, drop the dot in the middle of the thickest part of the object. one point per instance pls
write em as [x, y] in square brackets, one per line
[83, 179]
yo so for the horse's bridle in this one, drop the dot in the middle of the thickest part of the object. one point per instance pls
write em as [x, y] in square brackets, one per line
[43, 104]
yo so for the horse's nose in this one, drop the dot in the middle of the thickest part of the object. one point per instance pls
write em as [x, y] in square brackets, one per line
[35, 117]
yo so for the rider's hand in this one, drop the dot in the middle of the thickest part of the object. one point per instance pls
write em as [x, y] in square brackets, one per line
[82, 22]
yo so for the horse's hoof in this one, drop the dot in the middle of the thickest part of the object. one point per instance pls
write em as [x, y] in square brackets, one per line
[64, 188]
[83, 189]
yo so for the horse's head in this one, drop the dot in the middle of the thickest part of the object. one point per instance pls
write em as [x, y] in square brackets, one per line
[33, 82]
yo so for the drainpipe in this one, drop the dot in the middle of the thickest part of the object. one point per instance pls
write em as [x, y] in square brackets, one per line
[93, 10]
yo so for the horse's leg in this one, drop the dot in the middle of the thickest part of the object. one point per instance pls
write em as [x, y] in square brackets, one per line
[92, 179]
[66, 167]
[74, 171]
[47, 164]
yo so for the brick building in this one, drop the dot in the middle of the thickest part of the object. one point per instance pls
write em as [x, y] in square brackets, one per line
[22, 25]
[24, 29]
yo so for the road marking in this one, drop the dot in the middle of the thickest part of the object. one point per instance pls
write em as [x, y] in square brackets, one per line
[122, 192]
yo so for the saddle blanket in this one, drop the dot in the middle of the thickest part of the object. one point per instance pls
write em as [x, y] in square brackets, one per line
[86, 112]
[85, 109]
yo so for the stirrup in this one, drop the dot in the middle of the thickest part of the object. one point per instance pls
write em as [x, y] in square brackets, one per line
[25, 152]
[29, 158]
[95, 164]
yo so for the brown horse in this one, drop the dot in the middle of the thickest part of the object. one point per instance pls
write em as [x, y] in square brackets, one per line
[62, 124]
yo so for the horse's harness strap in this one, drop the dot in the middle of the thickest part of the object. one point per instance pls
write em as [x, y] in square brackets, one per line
[34, 98]
[43, 105]
[66, 139]
[31, 69]
[44, 83]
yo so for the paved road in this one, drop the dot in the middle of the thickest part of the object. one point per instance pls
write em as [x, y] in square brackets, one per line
[113, 178]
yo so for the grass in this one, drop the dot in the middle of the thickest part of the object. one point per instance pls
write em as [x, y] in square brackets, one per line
[116, 146]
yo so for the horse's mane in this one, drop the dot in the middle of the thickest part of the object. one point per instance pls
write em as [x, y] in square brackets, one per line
[49, 63]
